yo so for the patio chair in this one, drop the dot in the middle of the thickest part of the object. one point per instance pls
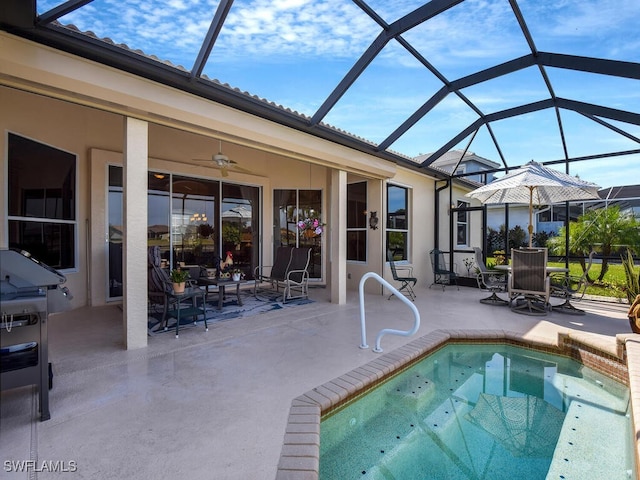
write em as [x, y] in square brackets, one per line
[442, 275]
[529, 285]
[160, 287]
[273, 274]
[407, 282]
[570, 286]
[492, 280]
[296, 282]
[290, 271]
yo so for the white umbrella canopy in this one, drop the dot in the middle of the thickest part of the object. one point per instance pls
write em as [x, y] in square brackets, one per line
[535, 184]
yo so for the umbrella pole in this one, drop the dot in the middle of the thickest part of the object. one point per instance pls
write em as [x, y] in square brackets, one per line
[531, 216]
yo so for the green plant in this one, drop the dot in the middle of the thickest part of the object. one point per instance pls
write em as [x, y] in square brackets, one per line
[631, 276]
[179, 276]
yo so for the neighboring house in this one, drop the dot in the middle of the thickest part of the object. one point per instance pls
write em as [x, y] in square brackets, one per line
[550, 218]
[472, 166]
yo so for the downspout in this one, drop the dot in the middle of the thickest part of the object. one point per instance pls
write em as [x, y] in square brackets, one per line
[436, 229]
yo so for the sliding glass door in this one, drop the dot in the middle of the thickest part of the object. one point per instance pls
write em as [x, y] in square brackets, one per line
[194, 221]
[289, 207]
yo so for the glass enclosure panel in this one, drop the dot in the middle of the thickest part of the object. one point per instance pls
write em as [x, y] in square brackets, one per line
[310, 206]
[241, 227]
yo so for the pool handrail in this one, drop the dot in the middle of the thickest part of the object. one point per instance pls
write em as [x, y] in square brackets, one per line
[381, 333]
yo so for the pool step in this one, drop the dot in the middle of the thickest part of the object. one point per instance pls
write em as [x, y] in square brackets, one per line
[416, 391]
[590, 444]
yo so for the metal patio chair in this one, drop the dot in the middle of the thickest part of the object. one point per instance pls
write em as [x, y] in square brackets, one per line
[407, 282]
[571, 286]
[529, 284]
[442, 275]
[492, 280]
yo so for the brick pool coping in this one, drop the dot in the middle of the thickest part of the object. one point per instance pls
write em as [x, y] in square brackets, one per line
[300, 455]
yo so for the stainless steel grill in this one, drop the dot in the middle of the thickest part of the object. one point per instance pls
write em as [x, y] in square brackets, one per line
[29, 291]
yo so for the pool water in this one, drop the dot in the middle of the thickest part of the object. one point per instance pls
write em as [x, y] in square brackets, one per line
[483, 412]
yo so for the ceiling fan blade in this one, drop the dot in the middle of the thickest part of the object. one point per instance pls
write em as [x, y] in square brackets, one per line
[224, 171]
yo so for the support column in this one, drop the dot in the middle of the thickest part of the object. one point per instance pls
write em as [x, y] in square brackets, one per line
[135, 183]
[338, 229]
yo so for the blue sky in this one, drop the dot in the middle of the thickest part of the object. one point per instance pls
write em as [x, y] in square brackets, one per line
[294, 53]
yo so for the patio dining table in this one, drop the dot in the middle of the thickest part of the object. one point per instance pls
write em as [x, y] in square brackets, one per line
[564, 307]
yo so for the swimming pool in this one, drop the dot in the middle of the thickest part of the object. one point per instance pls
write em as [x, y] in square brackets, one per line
[483, 411]
[300, 454]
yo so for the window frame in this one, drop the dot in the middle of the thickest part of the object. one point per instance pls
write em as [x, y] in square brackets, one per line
[461, 209]
[365, 223]
[26, 219]
[407, 230]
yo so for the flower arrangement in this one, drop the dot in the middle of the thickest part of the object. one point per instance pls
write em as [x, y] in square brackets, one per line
[310, 227]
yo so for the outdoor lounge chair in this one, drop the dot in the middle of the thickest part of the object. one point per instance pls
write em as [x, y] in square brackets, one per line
[442, 275]
[290, 271]
[492, 280]
[529, 285]
[407, 282]
[569, 286]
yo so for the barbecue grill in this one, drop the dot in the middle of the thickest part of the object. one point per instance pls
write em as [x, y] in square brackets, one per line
[29, 291]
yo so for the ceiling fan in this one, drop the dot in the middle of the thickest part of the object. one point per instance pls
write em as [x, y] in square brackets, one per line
[221, 161]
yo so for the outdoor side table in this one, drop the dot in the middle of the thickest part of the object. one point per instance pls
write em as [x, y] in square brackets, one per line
[192, 294]
[222, 285]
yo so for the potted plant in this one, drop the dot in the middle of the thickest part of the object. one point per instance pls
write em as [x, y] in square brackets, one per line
[179, 278]
[632, 290]
[236, 274]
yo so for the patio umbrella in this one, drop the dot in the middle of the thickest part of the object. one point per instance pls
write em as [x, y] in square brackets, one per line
[526, 426]
[535, 183]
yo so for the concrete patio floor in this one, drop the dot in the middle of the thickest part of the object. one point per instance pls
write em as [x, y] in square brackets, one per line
[214, 405]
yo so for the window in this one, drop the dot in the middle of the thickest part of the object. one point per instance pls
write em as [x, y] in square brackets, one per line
[462, 224]
[397, 223]
[42, 201]
[357, 222]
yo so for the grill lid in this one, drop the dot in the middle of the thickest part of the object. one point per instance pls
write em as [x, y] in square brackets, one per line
[22, 271]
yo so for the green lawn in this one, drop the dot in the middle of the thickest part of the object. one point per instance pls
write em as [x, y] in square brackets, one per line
[612, 284]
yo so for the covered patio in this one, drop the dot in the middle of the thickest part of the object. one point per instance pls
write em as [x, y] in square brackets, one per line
[216, 404]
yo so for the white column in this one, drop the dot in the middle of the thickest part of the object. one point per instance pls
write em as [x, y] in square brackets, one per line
[136, 133]
[338, 232]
